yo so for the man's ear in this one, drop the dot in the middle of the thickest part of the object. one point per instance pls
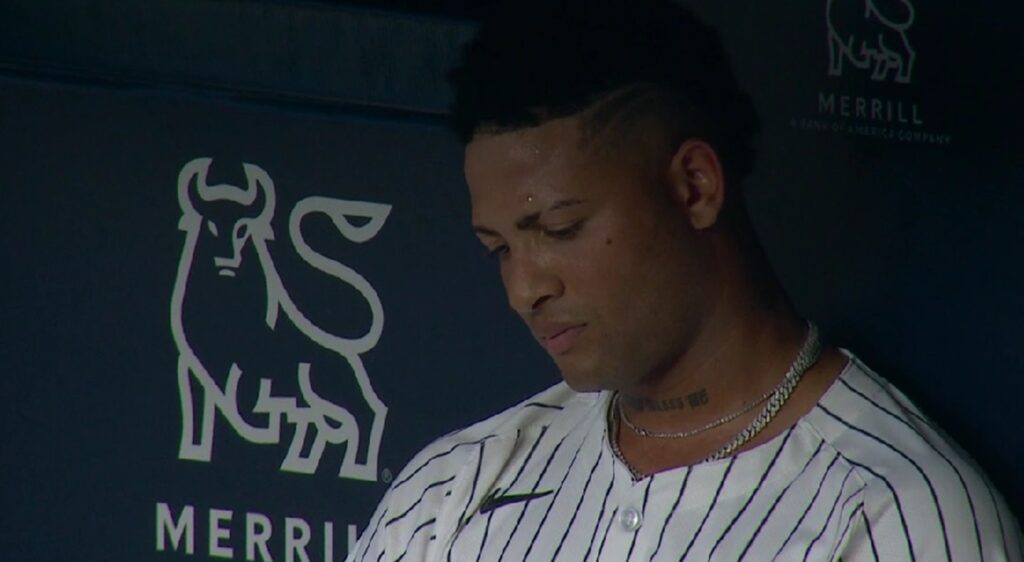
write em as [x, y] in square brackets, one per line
[697, 182]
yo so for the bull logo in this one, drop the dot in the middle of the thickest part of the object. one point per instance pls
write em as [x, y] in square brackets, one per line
[228, 284]
[871, 35]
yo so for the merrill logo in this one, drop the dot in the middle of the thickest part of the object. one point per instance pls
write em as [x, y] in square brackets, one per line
[223, 224]
[870, 34]
[227, 533]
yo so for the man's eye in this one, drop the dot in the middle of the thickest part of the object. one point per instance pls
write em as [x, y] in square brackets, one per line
[564, 233]
[497, 251]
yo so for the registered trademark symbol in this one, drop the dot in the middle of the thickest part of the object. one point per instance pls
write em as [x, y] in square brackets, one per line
[386, 476]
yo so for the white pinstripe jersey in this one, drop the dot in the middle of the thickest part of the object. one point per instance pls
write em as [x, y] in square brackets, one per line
[863, 476]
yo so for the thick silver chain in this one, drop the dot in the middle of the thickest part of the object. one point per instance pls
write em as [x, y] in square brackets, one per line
[808, 355]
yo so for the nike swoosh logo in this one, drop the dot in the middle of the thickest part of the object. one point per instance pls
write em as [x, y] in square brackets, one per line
[497, 499]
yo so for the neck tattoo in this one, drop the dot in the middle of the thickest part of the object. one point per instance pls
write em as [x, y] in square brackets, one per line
[641, 404]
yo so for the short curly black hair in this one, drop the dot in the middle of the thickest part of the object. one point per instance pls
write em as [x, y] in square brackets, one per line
[535, 60]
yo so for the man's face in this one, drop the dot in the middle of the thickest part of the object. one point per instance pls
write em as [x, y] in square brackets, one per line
[596, 255]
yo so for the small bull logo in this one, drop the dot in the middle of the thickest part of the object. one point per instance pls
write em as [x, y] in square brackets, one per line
[871, 34]
[227, 230]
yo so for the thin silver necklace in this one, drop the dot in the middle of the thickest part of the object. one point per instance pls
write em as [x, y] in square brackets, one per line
[776, 398]
[644, 432]
[613, 434]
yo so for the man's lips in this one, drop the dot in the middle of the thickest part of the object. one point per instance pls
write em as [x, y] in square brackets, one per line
[561, 338]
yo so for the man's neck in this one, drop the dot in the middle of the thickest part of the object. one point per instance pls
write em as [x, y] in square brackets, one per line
[747, 339]
[734, 360]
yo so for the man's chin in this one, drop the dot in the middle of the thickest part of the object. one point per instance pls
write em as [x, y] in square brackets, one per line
[584, 381]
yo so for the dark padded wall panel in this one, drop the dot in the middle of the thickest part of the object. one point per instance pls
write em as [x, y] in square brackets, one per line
[92, 260]
[889, 203]
[309, 51]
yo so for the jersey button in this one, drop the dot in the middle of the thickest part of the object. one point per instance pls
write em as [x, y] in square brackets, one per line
[630, 519]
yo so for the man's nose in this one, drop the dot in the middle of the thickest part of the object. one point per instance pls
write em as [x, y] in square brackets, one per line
[530, 281]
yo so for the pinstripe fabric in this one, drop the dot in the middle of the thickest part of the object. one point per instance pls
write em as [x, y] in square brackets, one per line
[863, 476]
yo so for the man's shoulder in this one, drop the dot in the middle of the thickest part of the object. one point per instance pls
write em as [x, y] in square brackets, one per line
[555, 407]
[449, 479]
[549, 406]
[875, 427]
[907, 473]
[901, 457]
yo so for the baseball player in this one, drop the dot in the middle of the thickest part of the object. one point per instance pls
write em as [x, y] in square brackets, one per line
[700, 417]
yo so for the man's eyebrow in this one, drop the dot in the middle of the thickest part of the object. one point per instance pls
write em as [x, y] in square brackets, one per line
[530, 221]
[484, 230]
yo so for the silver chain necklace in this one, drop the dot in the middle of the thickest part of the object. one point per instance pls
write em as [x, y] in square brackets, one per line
[776, 398]
[613, 439]
[808, 356]
[643, 432]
